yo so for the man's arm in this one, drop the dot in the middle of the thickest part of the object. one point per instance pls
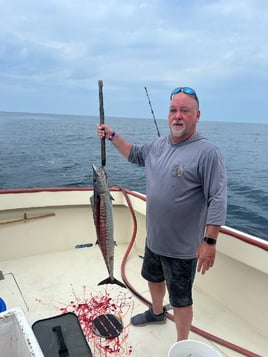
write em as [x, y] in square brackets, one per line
[123, 146]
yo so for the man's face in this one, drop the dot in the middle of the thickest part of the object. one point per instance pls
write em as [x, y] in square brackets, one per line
[183, 117]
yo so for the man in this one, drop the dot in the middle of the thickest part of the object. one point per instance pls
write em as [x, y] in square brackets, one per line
[186, 205]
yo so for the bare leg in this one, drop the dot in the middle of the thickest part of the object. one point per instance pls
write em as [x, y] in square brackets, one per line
[157, 291]
[183, 317]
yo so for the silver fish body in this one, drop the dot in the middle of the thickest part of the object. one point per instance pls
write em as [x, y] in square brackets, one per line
[101, 203]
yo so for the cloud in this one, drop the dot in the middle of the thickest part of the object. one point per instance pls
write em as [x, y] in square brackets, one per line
[65, 46]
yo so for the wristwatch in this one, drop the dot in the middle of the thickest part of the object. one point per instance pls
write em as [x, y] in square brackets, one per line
[210, 241]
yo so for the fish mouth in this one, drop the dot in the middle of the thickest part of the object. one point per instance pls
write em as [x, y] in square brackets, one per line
[98, 173]
[95, 169]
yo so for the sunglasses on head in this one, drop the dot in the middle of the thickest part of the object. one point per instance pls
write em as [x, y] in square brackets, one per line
[186, 90]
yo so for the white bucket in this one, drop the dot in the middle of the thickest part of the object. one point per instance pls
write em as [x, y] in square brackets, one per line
[192, 348]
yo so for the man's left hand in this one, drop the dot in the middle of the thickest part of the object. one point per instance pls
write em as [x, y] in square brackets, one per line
[206, 256]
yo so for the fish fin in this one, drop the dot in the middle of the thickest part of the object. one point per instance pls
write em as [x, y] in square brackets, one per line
[109, 280]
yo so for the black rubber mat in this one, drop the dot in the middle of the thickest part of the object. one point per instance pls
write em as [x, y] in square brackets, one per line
[61, 336]
[107, 325]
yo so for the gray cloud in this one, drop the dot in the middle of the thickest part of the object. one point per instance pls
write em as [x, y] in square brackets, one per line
[62, 47]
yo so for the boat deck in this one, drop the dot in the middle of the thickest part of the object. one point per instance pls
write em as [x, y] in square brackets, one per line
[49, 284]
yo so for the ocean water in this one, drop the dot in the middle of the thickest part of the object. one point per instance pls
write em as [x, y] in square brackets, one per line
[48, 150]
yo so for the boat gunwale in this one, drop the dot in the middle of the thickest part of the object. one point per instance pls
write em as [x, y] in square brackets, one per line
[246, 238]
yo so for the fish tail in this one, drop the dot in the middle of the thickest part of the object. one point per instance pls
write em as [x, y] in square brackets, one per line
[110, 280]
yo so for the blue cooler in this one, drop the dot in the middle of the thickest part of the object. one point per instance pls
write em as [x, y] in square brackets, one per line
[3, 306]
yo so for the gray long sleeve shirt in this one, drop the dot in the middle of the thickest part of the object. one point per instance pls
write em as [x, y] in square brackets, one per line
[186, 190]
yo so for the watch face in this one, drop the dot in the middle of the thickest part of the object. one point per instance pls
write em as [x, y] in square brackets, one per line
[210, 241]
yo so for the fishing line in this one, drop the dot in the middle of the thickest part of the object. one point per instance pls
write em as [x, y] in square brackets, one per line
[152, 111]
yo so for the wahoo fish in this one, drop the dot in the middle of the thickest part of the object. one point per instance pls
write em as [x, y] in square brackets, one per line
[101, 203]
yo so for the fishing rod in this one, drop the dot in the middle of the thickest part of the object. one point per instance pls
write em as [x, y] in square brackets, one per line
[101, 110]
[155, 123]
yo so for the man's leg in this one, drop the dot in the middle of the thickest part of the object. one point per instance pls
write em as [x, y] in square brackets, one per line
[152, 272]
[183, 317]
[157, 291]
[155, 314]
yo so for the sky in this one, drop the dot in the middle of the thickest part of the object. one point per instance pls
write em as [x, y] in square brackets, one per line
[54, 52]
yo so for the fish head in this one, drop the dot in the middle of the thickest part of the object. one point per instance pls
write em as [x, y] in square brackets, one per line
[99, 179]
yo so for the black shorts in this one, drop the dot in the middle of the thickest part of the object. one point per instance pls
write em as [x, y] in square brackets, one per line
[178, 273]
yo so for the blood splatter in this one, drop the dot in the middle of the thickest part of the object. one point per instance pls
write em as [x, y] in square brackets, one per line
[107, 300]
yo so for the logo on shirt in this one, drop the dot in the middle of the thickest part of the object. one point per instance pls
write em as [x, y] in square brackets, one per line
[178, 169]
